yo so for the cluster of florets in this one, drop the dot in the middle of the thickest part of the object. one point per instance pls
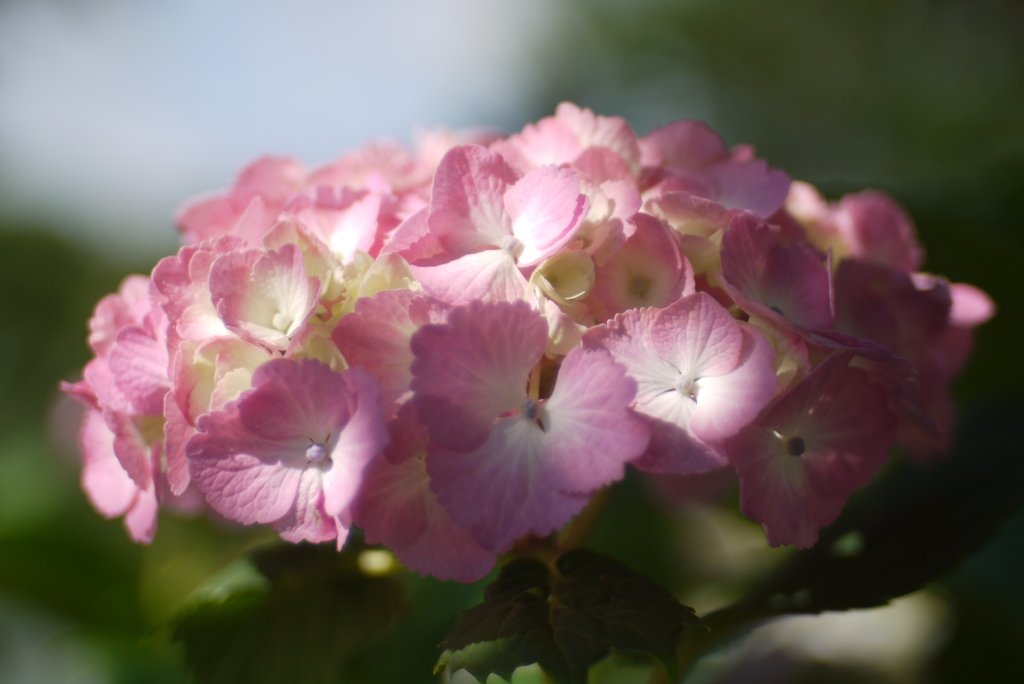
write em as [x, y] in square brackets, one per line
[455, 347]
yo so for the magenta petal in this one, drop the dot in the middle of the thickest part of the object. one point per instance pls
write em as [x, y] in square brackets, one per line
[295, 401]
[804, 455]
[472, 370]
[398, 508]
[787, 281]
[673, 449]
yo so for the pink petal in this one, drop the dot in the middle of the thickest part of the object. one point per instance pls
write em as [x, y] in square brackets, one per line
[376, 337]
[498, 490]
[104, 480]
[490, 275]
[264, 296]
[467, 209]
[727, 402]
[774, 280]
[592, 434]
[698, 336]
[363, 436]
[139, 363]
[475, 368]
[648, 271]
[545, 207]
[749, 185]
[685, 144]
[397, 508]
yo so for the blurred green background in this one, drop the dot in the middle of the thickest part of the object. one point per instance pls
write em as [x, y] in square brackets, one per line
[923, 99]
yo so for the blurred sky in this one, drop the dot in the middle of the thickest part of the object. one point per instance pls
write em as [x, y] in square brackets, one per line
[114, 111]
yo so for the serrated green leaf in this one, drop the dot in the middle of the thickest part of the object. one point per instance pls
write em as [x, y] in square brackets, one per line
[319, 613]
[565, 621]
[910, 527]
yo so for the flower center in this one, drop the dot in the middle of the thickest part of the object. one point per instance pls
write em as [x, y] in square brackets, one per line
[512, 245]
[687, 386]
[281, 322]
[795, 446]
[316, 452]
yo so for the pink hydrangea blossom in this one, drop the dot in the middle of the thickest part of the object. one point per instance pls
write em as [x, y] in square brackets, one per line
[291, 451]
[810, 449]
[519, 317]
[701, 375]
[503, 462]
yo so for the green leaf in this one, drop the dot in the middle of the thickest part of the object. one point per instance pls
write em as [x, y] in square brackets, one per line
[318, 615]
[910, 527]
[565, 620]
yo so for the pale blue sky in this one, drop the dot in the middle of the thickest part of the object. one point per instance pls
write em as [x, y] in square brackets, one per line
[114, 111]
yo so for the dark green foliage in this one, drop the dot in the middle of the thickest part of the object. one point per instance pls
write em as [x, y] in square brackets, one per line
[318, 615]
[565, 621]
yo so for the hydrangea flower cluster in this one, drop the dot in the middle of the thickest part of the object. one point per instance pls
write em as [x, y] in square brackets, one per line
[455, 347]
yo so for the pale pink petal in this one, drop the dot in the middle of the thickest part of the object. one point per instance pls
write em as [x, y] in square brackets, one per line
[545, 207]
[628, 338]
[475, 368]
[603, 164]
[265, 296]
[131, 446]
[971, 305]
[490, 275]
[104, 480]
[129, 305]
[648, 271]
[467, 210]
[697, 336]
[413, 239]
[140, 520]
[592, 130]
[308, 520]
[727, 402]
